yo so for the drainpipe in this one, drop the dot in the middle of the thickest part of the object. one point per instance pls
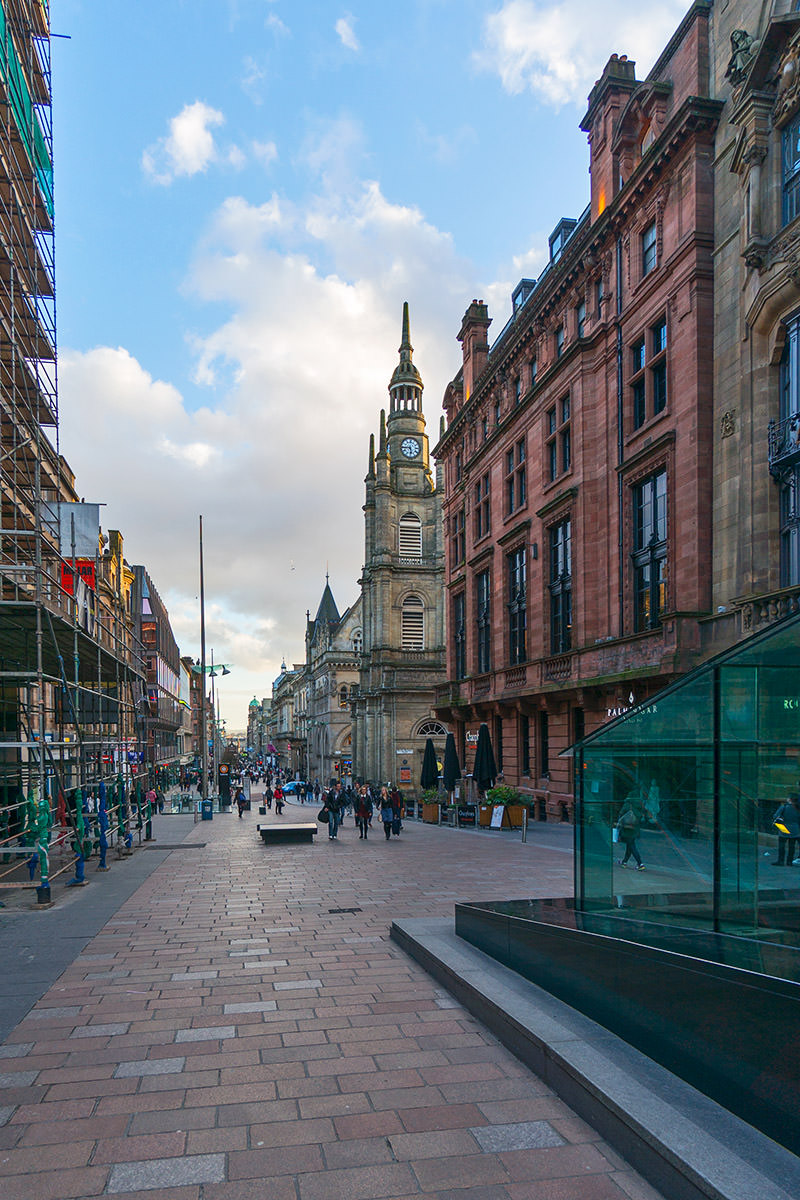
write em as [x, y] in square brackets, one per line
[620, 444]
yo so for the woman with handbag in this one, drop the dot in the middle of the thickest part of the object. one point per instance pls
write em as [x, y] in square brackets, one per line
[786, 824]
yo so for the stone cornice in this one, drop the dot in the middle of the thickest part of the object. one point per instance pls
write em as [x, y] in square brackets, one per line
[562, 498]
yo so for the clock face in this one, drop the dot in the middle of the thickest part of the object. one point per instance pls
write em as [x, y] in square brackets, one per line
[410, 447]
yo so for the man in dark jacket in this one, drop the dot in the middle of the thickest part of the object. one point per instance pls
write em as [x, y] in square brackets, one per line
[335, 803]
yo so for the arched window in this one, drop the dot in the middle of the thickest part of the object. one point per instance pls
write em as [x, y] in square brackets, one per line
[412, 624]
[431, 729]
[343, 697]
[410, 536]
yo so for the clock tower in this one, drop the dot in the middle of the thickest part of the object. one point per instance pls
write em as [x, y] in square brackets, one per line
[402, 592]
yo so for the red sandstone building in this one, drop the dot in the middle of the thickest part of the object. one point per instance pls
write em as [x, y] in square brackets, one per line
[577, 450]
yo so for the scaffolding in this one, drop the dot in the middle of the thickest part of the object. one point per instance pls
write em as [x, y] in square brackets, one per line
[72, 693]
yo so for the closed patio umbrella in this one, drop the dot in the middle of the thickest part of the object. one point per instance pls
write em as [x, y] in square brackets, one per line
[429, 777]
[452, 771]
[484, 771]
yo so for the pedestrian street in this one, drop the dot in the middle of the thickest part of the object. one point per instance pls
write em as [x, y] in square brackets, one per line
[242, 1027]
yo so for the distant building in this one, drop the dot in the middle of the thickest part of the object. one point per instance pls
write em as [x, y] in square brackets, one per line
[333, 643]
[161, 715]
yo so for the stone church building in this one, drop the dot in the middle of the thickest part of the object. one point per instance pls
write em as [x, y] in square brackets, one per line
[371, 672]
[402, 592]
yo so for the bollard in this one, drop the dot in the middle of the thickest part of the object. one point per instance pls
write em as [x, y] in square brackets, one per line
[525, 825]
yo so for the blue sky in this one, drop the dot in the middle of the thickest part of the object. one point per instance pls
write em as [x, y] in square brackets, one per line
[246, 192]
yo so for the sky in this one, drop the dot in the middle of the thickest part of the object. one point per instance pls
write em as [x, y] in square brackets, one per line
[246, 193]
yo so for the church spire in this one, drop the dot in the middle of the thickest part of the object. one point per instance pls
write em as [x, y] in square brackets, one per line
[405, 388]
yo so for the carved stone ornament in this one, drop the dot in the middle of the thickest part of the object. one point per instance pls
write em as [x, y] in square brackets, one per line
[727, 423]
[787, 100]
[743, 47]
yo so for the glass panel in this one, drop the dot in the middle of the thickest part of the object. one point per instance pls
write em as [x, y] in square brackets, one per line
[689, 784]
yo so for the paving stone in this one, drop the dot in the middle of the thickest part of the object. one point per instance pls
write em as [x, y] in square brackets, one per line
[150, 1066]
[91, 1031]
[169, 1172]
[285, 985]
[211, 1034]
[18, 1079]
[16, 1050]
[526, 1135]
[253, 1006]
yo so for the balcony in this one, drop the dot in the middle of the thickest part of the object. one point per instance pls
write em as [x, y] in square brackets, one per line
[784, 445]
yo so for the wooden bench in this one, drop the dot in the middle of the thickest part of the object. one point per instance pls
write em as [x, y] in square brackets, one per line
[296, 831]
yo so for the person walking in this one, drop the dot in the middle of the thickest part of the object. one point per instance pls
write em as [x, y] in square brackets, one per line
[277, 796]
[786, 823]
[397, 811]
[629, 823]
[267, 796]
[240, 802]
[335, 803]
[387, 812]
[363, 812]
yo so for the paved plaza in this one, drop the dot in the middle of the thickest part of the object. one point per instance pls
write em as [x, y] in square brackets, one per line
[242, 1028]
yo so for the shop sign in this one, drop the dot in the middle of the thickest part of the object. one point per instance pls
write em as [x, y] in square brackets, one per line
[467, 814]
[472, 738]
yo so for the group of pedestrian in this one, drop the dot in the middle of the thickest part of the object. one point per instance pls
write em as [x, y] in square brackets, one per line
[363, 803]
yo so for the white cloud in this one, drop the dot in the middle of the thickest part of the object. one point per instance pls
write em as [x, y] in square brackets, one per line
[254, 76]
[275, 460]
[274, 23]
[346, 33]
[557, 50]
[265, 152]
[188, 148]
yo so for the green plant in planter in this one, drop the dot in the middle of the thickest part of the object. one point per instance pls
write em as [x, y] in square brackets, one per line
[430, 795]
[503, 794]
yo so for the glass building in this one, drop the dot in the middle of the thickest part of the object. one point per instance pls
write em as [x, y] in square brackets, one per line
[696, 775]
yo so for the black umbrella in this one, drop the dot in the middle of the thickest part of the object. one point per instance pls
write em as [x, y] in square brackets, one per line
[484, 771]
[452, 771]
[430, 767]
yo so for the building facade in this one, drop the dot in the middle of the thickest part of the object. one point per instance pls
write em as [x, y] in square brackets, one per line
[161, 711]
[756, 489]
[578, 494]
[333, 641]
[402, 650]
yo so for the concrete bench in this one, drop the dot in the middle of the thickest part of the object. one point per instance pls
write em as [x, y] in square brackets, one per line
[297, 831]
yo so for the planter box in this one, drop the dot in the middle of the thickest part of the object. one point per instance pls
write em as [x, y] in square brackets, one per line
[485, 815]
[516, 814]
[430, 813]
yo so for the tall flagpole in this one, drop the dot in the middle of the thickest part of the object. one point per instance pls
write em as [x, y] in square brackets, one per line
[203, 731]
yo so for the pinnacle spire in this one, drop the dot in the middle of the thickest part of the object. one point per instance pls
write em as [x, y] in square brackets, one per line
[406, 349]
[405, 388]
[371, 467]
[382, 436]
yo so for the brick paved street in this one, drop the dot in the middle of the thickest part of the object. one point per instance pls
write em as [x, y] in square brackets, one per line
[243, 1029]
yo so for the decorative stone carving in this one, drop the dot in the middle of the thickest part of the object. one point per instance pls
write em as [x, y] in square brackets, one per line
[787, 100]
[743, 48]
[727, 423]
